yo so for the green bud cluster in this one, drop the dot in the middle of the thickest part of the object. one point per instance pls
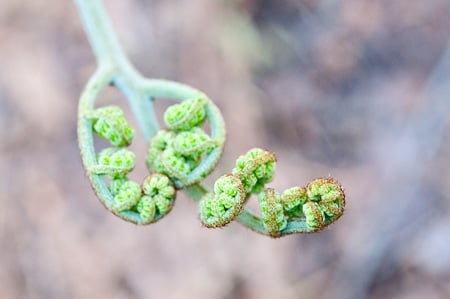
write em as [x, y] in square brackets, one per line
[320, 203]
[155, 198]
[110, 123]
[328, 196]
[312, 207]
[116, 161]
[293, 200]
[152, 201]
[160, 191]
[127, 196]
[272, 212]
[221, 207]
[193, 142]
[255, 169]
[147, 209]
[116, 183]
[313, 216]
[180, 149]
[182, 155]
[186, 115]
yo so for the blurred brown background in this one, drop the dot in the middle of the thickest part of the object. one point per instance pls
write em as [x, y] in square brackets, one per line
[356, 89]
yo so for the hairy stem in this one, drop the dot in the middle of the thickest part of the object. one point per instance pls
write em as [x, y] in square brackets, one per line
[103, 41]
[111, 56]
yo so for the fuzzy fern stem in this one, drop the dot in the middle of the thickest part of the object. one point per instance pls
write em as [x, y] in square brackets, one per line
[112, 58]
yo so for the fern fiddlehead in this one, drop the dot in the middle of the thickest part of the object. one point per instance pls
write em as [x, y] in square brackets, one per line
[297, 210]
[159, 197]
[184, 151]
[181, 155]
[272, 212]
[114, 162]
[221, 207]
[110, 123]
[186, 115]
[255, 169]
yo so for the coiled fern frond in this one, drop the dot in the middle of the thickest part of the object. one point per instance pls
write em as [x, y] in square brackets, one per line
[182, 154]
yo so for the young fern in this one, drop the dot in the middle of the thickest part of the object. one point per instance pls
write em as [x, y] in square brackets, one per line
[181, 155]
[297, 210]
[272, 212]
[221, 207]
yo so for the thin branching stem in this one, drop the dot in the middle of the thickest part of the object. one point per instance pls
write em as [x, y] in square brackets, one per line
[111, 56]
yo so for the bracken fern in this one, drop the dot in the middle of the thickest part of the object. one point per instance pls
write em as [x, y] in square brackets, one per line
[182, 155]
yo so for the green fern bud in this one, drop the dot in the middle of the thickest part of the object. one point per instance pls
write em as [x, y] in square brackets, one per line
[323, 189]
[146, 209]
[272, 212]
[185, 152]
[116, 183]
[313, 216]
[115, 161]
[162, 140]
[177, 155]
[293, 200]
[255, 169]
[186, 115]
[161, 191]
[193, 143]
[175, 165]
[128, 196]
[163, 205]
[329, 196]
[221, 207]
[110, 123]
[158, 184]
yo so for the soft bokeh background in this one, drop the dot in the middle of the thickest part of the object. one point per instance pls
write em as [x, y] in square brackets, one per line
[356, 89]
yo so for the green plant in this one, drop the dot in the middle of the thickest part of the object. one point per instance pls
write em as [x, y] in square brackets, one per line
[182, 155]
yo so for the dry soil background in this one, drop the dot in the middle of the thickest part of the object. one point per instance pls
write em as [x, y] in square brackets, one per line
[356, 89]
